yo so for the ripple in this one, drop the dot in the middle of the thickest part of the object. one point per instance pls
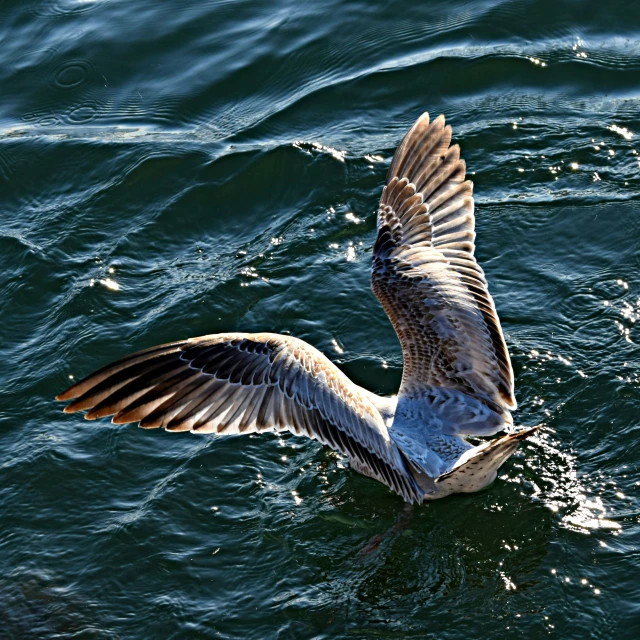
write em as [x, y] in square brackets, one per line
[57, 8]
[83, 114]
[49, 120]
[33, 60]
[7, 162]
[72, 74]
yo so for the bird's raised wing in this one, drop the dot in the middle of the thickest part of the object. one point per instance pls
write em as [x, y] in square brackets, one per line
[427, 279]
[243, 383]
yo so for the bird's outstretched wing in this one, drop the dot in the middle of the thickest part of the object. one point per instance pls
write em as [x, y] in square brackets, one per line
[426, 277]
[243, 383]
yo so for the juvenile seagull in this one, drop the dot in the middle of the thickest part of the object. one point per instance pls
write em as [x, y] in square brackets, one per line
[457, 379]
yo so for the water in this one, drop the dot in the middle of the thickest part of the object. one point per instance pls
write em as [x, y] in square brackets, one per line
[170, 169]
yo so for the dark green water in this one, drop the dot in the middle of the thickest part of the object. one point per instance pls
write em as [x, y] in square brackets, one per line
[170, 169]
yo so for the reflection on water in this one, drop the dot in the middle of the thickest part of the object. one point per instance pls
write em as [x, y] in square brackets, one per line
[557, 484]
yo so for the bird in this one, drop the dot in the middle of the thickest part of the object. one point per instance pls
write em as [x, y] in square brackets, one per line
[457, 379]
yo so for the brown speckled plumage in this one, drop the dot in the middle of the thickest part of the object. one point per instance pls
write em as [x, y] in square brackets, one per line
[427, 279]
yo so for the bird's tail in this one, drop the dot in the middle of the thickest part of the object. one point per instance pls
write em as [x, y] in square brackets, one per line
[478, 466]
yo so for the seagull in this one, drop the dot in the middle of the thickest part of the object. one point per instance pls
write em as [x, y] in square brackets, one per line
[457, 379]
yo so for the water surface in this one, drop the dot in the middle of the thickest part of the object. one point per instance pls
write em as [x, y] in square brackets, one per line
[171, 169]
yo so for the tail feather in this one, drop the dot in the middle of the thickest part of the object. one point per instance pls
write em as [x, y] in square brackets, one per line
[478, 467]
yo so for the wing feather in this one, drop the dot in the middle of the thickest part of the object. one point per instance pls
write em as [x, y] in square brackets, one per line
[243, 383]
[427, 278]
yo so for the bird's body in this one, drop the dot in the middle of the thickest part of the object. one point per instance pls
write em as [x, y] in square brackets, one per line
[457, 379]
